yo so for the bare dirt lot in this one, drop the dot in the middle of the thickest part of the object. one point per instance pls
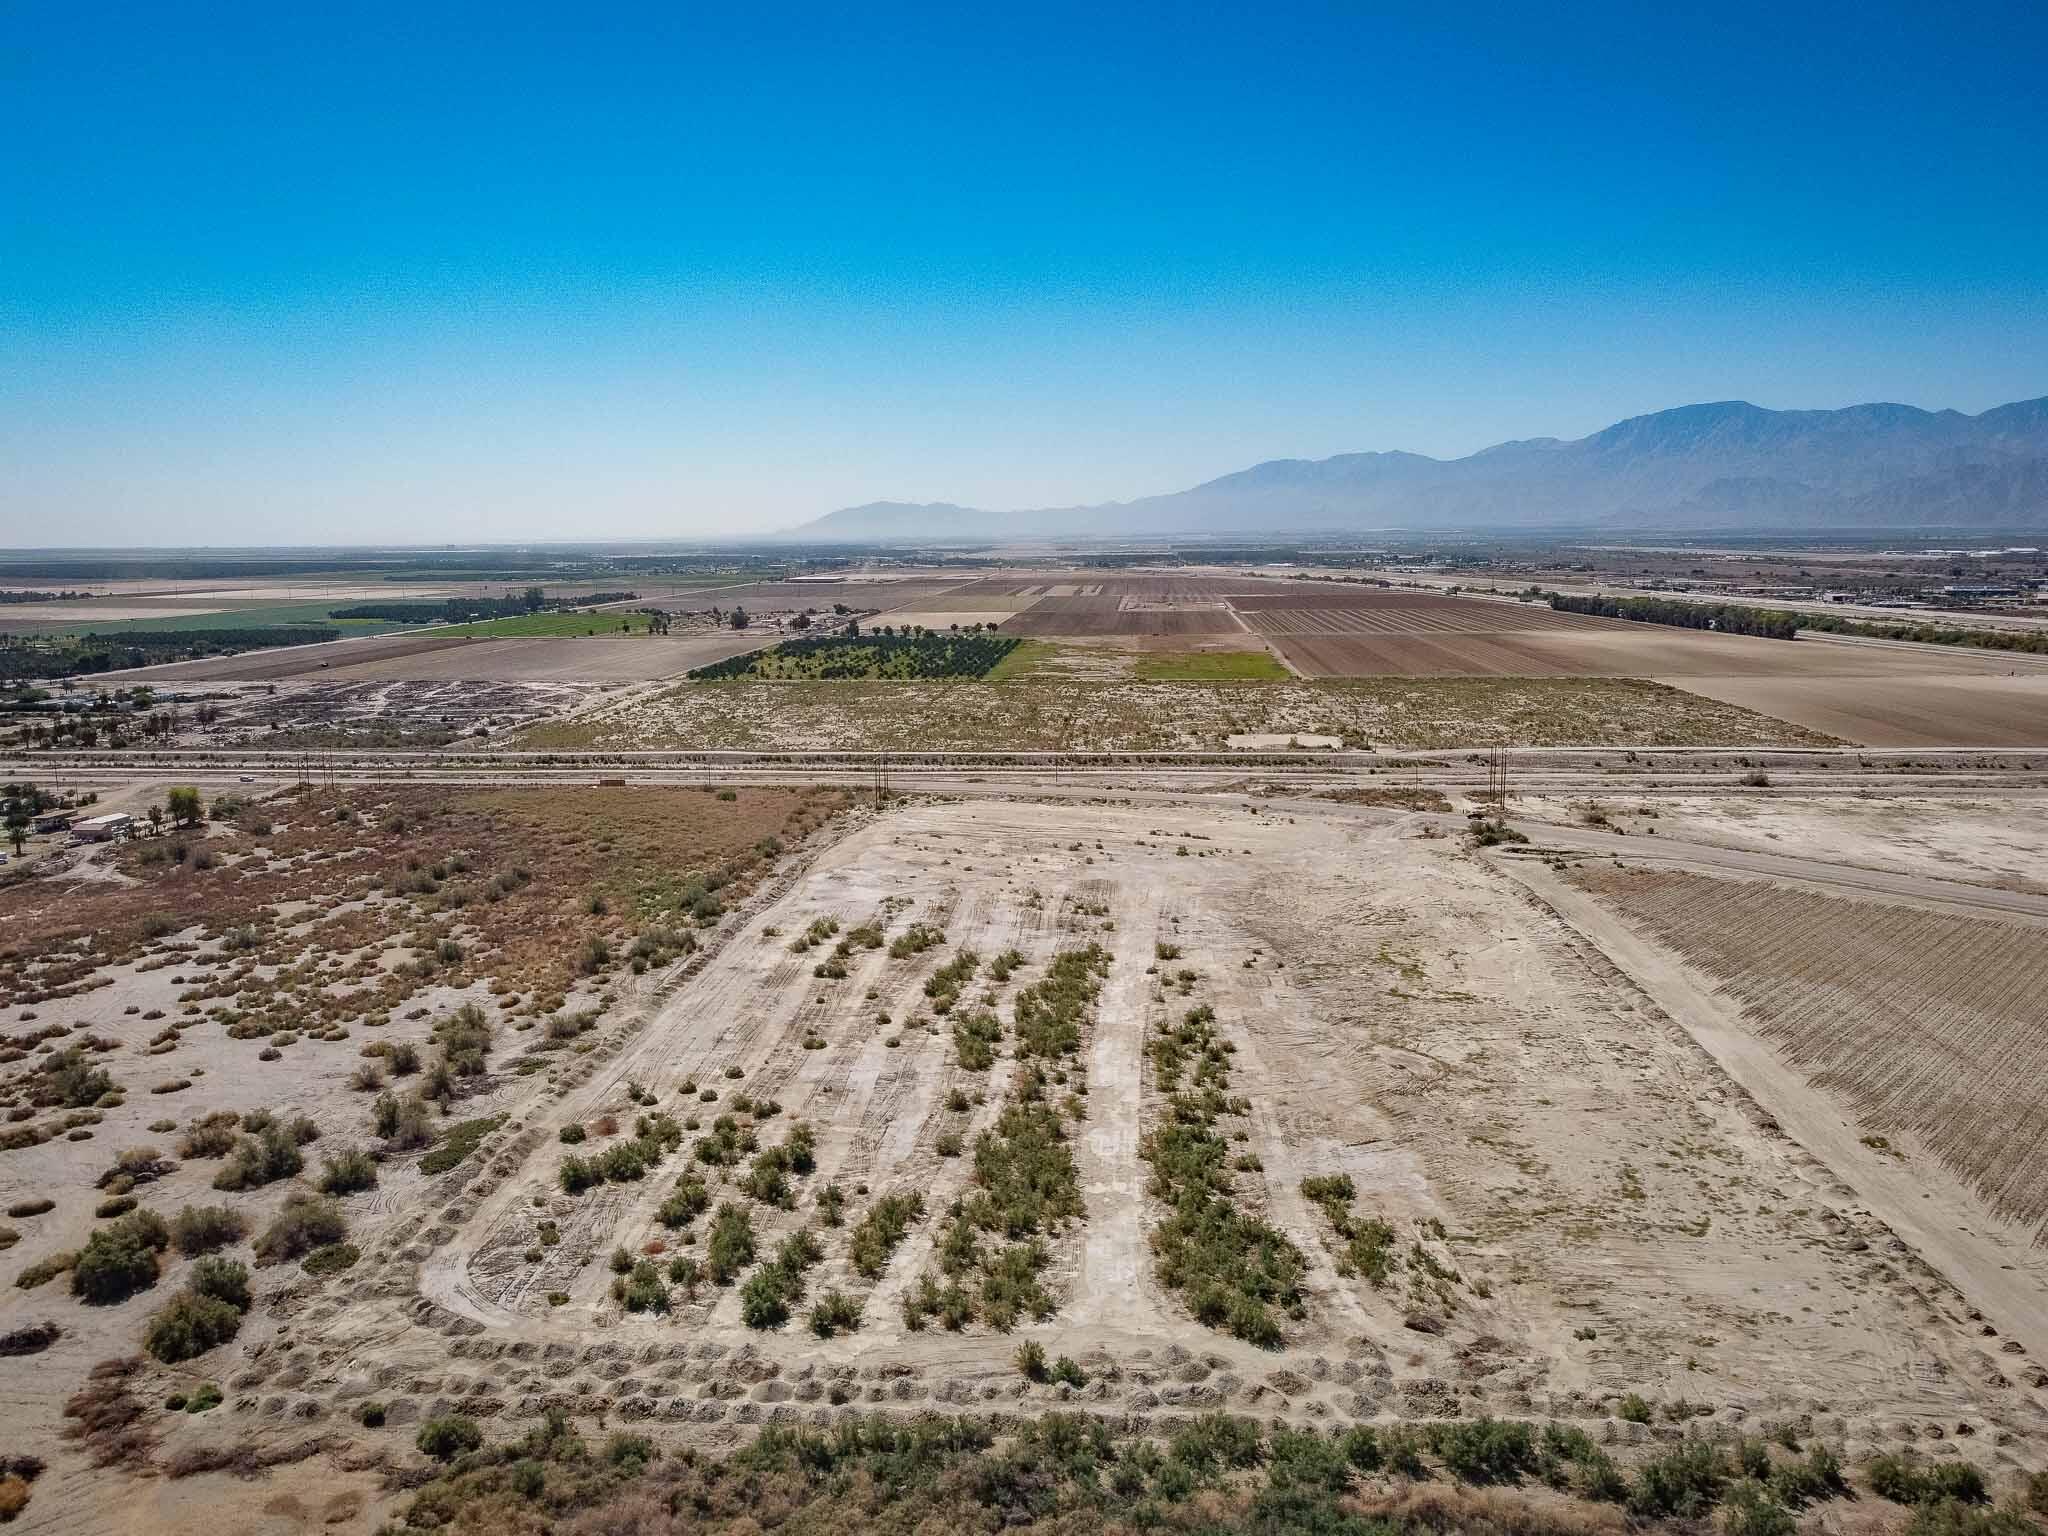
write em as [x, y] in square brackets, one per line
[952, 1076]
[1055, 714]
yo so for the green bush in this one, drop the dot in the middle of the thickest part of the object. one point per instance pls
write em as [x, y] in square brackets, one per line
[306, 1222]
[448, 1437]
[730, 1247]
[119, 1259]
[1682, 1484]
[1748, 1509]
[348, 1171]
[190, 1326]
[205, 1228]
[878, 1233]
[1485, 1450]
[835, 1312]
[223, 1280]
[261, 1159]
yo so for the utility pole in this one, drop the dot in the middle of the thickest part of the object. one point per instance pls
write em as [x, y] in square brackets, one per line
[1497, 790]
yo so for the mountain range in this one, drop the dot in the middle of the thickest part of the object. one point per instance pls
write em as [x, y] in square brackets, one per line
[1728, 466]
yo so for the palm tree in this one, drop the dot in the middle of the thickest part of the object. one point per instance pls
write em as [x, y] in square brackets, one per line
[156, 818]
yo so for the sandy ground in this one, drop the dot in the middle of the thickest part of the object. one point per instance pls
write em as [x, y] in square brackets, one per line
[1998, 840]
[1635, 1192]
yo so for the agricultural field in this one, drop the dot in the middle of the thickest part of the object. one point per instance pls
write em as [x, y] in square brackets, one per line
[1892, 1008]
[1856, 690]
[415, 1114]
[1041, 712]
[445, 656]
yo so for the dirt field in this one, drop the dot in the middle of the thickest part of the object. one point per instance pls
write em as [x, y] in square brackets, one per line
[1051, 713]
[1978, 709]
[1580, 1201]
[1929, 1025]
[1999, 841]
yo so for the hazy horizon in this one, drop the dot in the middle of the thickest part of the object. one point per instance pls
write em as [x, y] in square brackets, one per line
[449, 275]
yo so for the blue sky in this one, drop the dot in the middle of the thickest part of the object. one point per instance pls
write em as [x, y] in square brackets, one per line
[430, 272]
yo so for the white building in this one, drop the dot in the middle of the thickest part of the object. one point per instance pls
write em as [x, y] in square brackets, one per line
[103, 829]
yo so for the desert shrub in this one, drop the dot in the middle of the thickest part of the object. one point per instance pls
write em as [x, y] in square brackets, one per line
[1748, 1509]
[223, 1280]
[1050, 1012]
[22, 1209]
[1953, 1517]
[975, 1037]
[834, 1312]
[1904, 1482]
[403, 1124]
[570, 1135]
[457, 1142]
[880, 1231]
[730, 1247]
[641, 1289]
[1682, 1484]
[1485, 1450]
[120, 1205]
[213, 1136]
[261, 1159]
[448, 1437]
[203, 1229]
[348, 1171]
[68, 1079]
[331, 1259]
[306, 1222]
[135, 1165]
[1633, 1409]
[45, 1269]
[685, 1203]
[1813, 1480]
[371, 1415]
[30, 1339]
[119, 1259]
[190, 1326]
[773, 1289]
[1030, 1360]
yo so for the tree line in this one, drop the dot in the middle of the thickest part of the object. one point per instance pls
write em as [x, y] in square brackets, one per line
[466, 610]
[1726, 618]
[1779, 624]
[84, 655]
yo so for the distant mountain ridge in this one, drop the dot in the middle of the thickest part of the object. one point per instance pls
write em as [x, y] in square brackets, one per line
[1728, 466]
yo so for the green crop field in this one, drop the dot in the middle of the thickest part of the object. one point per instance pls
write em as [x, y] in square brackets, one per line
[1208, 667]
